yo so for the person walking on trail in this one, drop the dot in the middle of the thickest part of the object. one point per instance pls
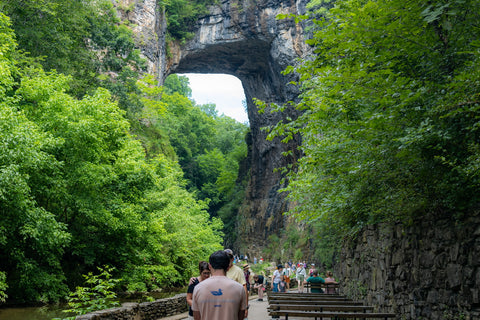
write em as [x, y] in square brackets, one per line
[204, 274]
[316, 279]
[286, 276]
[277, 278]
[219, 297]
[301, 273]
[247, 275]
[236, 273]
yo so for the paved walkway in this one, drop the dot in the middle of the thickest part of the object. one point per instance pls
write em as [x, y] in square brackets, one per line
[257, 311]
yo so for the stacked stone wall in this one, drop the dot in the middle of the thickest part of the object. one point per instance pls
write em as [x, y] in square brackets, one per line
[142, 311]
[428, 270]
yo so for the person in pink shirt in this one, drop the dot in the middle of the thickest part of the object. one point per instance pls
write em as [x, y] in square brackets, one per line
[329, 278]
[219, 297]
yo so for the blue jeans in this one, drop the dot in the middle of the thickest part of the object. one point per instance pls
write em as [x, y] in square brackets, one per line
[275, 287]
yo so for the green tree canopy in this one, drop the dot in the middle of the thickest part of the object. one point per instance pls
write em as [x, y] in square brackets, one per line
[79, 38]
[77, 191]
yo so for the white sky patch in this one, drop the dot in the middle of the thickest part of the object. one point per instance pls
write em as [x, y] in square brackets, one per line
[224, 90]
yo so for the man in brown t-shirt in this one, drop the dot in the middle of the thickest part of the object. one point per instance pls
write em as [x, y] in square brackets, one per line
[218, 297]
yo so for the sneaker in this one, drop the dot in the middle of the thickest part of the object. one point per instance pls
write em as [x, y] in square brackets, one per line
[259, 299]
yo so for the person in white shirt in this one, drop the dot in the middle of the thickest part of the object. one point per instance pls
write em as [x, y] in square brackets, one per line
[277, 278]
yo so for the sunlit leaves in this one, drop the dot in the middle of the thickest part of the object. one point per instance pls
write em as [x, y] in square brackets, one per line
[76, 191]
[98, 293]
[33, 241]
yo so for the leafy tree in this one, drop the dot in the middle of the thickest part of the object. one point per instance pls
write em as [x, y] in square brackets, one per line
[209, 147]
[97, 295]
[110, 179]
[180, 229]
[148, 127]
[182, 15]
[390, 104]
[210, 109]
[179, 84]
[32, 241]
[79, 38]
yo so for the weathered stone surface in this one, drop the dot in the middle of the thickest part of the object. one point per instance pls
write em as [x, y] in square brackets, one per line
[429, 270]
[149, 26]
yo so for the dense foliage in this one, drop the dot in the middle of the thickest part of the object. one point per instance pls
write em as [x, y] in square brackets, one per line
[97, 295]
[80, 38]
[390, 112]
[77, 189]
[208, 147]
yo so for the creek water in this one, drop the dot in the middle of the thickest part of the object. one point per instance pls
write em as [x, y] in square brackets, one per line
[55, 311]
[46, 312]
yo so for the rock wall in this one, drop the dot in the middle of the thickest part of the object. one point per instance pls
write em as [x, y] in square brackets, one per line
[149, 25]
[429, 270]
[142, 311]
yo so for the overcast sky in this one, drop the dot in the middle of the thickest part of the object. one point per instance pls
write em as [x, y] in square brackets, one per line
[224, 90]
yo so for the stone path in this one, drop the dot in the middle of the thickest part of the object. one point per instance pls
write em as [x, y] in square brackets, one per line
[257, 311]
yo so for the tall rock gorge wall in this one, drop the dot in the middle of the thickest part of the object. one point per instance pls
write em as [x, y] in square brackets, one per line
[244, 39]
[429, 270]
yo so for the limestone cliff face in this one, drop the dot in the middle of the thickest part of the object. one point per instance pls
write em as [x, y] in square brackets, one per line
[242, 38]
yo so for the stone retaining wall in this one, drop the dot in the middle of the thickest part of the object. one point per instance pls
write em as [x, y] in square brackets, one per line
[142, 311]
[429, 270]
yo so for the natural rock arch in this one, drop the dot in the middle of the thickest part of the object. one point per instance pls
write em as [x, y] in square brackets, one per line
[244, 39]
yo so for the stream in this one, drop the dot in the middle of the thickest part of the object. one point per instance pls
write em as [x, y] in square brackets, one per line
[46, 312]
[51, 311]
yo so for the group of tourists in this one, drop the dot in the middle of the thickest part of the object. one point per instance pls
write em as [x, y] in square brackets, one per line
[282, 277]
[221, 290]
